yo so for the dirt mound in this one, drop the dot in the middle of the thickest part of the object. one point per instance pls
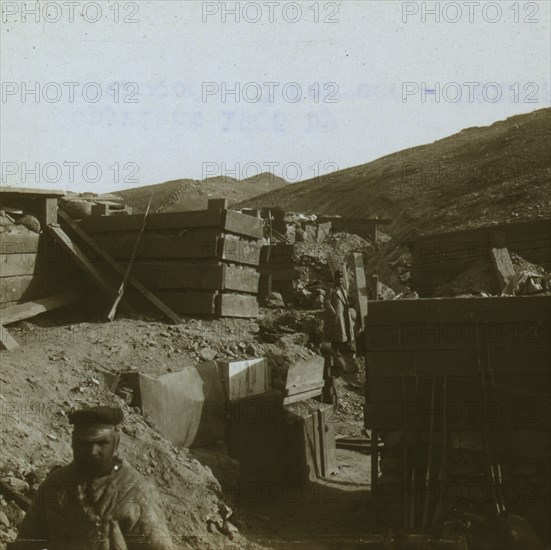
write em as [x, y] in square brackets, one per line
[61, 366]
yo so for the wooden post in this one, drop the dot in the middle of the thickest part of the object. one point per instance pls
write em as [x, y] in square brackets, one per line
[374, 287]
[7, 340]
[49, 211]
[503, 266]
[361, 286]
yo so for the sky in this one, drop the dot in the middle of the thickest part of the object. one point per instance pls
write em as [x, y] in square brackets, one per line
[102, 96]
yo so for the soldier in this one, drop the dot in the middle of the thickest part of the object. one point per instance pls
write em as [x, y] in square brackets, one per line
[98, 501]
[340, 317]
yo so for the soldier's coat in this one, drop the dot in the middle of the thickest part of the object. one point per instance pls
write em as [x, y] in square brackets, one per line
[68, 514]
[339, 325]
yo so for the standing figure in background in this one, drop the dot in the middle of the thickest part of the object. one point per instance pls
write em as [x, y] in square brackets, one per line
[340, 317]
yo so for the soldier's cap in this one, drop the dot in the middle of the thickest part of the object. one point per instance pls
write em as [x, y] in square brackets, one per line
[95, 423]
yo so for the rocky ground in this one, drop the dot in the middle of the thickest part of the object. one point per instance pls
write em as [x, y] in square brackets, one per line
[61, 365]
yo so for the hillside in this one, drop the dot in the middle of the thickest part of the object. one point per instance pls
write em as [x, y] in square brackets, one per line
[480, 175]
[187, 194]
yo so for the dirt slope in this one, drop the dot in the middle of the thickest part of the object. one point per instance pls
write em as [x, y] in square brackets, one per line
[480, 175]
[187, 194]
[59, 366]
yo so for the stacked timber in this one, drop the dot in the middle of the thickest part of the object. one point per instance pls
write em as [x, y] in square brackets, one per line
[32, 266]
[458, 392]
[278, 264]
[198, 263]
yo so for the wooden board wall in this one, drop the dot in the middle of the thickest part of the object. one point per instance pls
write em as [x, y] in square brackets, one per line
[32, 266]
[410, 341]
[440, 257]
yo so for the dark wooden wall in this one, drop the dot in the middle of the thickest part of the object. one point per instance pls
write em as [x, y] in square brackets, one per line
[440, 257]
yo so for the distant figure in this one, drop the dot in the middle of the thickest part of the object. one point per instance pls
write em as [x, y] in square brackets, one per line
[98, 501]
[339, 321]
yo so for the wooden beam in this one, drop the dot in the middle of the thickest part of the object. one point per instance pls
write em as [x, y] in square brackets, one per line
[189, 302]
[238, 251]
[7, 340]
[170, 220]
[237, 305]
[374, 287]
[31, 191]
[48, 212]
[137, 285]
[158, 246]
[82, 261]
[24, 286]
[19, 243]
[361, 285]
[30, 309]
[503, 266]
[426, 311]
[241, 224]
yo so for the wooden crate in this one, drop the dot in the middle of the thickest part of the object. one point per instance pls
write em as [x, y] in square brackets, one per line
[253, 435]
[309, 441]
[245, 378]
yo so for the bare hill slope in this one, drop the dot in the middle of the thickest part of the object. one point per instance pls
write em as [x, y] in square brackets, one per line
[480, 175]
[188, 194]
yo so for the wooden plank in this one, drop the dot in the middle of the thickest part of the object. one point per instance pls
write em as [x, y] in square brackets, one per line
[460, 388]
[305, 372]
[7, 340]
[237, 305]
[30, 309]
[241, 252]
[160, 246]
[280, 274]
[467, 415]
[82, 261]
[301, 396]
[48, 212]
[10, 190]
[19, 243]
[240, 279]
[241, 224]
[452, 363]
[179, 276]
[169, 220]
[135, 284]
[326, 415]
[273, 268]
[23, 286]
[361, 285]
[310, 386]
[507, 334]
[459, 310]
[12, 265]
[503, 266]
[306, 386]
[278, 254]
[245, 378]
[323, 231]
[188, 302]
